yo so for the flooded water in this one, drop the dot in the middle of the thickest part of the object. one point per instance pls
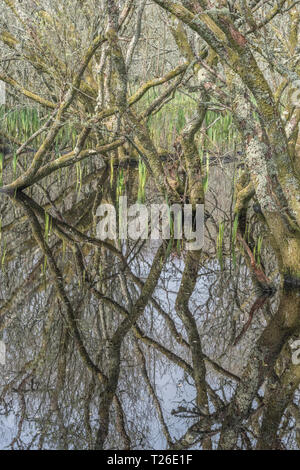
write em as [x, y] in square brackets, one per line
[133, 353]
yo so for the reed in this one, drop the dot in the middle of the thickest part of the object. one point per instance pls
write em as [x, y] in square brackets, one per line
[220, 239]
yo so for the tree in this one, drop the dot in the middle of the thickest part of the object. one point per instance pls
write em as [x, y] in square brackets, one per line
[83, 100]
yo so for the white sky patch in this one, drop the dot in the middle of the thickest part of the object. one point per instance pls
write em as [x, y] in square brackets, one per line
[2, 353]
[2, 93]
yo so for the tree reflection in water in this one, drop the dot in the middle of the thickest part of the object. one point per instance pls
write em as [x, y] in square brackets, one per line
[136, 350]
